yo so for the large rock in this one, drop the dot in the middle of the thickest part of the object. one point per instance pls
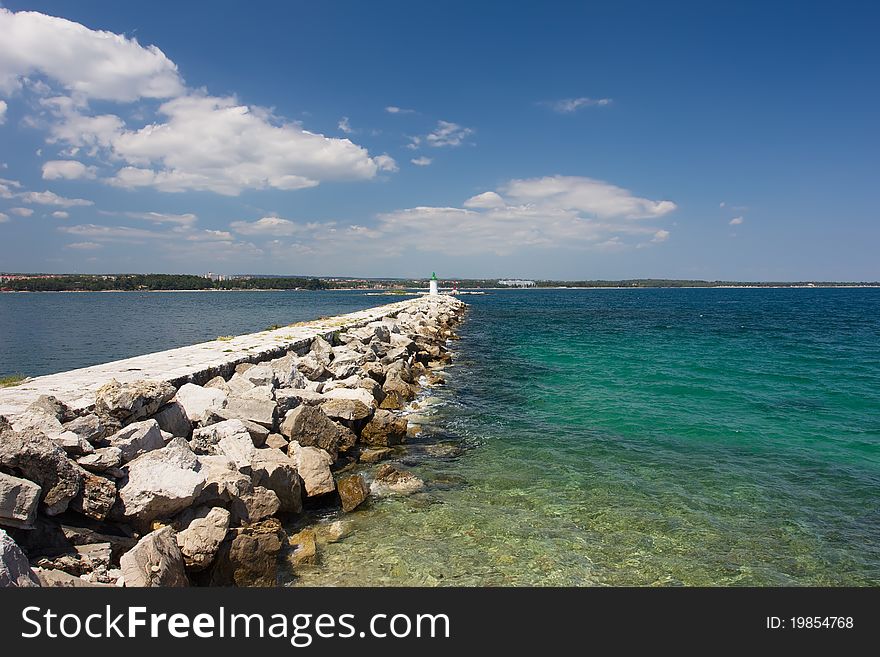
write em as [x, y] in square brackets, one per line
[353, 490]
[18, 501]
[161, 483]
[223, 482]
[72, 444]
[261, 411]
[90, 427]
[132, 401]
[321, 350]
[255, 505]
[313, 465]
[288, 399]
[311, 367]
[261, 375]
[346, 361]
[38, 459]
[198, 402]
[96, 498]
[229, 438]
[250, 557]
[173, 419]
[354, 394]
[201, 539]
[44, 415]
[156, 560]
[137, 438]
[384, 429]
[346, 410]
[15, 571]
[103, 459]
[286, 373]
[276, 471]
[397, 392]
[310, 427]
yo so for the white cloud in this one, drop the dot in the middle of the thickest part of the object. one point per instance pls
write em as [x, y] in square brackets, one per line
[570, 105]
[3, 107]
[95, 64]
[61, 214]
[67, 169]
[51, 198]
[212, 236]
[391, 109]
[187, 219]
[215, 144]
[660, 236]
[736, 221]
[386, 163]
[84, 246]
[485, 200]
[345, 126]
[275, 226]
[112, 233]
[421, 161]
[588, 195]
[3, 218]
[447, 134]
[521, 215]
[7, 187]
[21, 212]
[197, 142]
[722, 204]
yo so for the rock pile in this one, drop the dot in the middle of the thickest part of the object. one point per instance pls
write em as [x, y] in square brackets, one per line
[163, 486]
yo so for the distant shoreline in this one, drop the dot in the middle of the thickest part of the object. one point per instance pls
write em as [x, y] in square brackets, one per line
[411, 291]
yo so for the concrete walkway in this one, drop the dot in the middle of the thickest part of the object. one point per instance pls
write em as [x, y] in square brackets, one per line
[197, 363]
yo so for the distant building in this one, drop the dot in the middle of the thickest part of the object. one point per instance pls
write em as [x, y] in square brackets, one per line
[214, 277]
[516, 282]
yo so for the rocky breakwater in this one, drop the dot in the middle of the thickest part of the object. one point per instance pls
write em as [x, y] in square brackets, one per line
[157, 485]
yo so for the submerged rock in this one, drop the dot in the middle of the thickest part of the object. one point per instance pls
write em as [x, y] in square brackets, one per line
[305, 548]
[392, 479]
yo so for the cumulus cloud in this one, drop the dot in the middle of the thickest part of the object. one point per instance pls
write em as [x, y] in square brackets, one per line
[96, 64]
[553, 212]
[21, 212]
[736, 221]
[386, 163]
[3, 107]
[275, 226]
[422, 161]
[8, 188]
[84, 246]
[51, 198]
[345, 126]
[571, 105]
[61, 214]
[392, 109]
[196, 142]
[67, 170]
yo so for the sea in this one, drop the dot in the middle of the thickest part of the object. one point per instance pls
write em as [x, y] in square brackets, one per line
[583, 437]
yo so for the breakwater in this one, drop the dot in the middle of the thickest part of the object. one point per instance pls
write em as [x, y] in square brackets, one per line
[178, 467]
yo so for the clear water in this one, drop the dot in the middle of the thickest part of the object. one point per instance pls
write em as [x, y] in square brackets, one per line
[642, 437]
[591, 437]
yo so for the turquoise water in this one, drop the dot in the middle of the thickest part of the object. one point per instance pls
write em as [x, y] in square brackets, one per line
[642, 437]
[585, 437]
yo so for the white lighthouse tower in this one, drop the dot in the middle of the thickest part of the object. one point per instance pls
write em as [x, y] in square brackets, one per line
[433, 289]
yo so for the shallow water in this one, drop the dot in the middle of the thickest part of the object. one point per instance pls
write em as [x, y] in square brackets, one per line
[586, 437]
[642, 437]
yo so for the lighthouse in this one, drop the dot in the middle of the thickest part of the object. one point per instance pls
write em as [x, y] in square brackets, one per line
[433, 290]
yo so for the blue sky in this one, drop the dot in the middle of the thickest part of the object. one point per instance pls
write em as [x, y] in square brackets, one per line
[552, 140]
